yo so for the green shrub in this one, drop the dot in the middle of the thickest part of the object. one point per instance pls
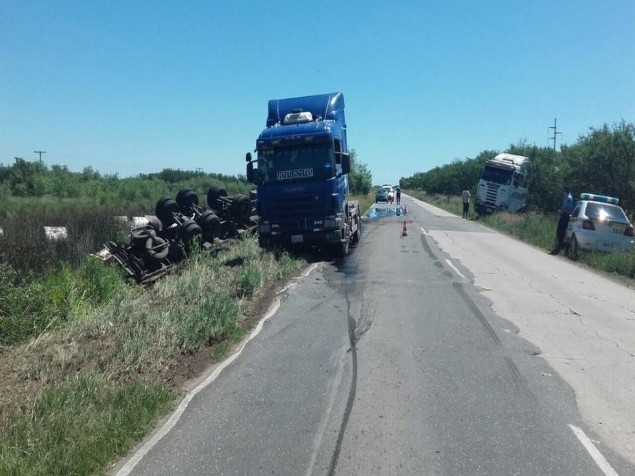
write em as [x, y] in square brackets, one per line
[99, 283]
[24, 307]
[248, 281]
[211, 321]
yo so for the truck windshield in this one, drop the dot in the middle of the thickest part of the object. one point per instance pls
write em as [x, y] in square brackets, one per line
[313, 162]
[496, 175]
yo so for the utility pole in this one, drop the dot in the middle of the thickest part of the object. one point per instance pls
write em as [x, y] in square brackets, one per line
[40, 152]
[555, 132]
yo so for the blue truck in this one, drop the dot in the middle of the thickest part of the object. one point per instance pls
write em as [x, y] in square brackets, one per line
[301, 175]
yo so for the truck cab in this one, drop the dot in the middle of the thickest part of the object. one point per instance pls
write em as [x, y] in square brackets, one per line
[503, 184]
[302, 175]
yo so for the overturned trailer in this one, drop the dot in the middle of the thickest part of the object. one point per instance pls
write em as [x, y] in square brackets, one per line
[181, 225]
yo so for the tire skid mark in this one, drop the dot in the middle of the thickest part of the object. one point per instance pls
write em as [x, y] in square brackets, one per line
[352, 325]
[477, 312]
[517, 376]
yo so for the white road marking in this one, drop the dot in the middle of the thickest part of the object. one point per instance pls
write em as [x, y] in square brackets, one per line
[308, 271]
[165, 429]
[604, 465]
[455, 269]
[424, 232]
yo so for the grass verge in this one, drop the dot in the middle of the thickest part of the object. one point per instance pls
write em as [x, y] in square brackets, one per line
[79, 393]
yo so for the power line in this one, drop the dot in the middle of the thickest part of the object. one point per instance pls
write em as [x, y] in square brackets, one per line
[40, 152]
[555, 132]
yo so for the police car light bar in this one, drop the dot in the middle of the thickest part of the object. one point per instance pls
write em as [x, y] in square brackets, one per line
[599, 198]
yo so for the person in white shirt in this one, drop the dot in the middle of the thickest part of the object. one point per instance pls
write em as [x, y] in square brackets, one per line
[465, 196]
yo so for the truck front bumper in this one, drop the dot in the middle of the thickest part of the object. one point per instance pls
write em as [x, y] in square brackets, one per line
[315, 238]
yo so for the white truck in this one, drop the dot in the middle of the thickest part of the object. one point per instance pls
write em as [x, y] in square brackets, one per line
[503, 184]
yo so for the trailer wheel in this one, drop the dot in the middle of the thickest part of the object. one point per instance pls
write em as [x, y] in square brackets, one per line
[165, 209]
[189, 230]
[213, 194]
[156, 248]
[210, 224]
[186, 198]
[241, 208]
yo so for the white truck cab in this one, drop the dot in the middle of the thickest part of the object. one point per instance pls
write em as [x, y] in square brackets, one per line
[503, 184]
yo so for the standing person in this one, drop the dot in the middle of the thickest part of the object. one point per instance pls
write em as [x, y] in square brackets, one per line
[563, 220]
[398, 196]
[465, 197]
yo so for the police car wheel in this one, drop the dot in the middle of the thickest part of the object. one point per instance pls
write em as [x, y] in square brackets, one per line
[573, 248]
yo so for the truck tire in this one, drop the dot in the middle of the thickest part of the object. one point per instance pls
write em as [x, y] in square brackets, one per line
[186, 198]
[214, 193]
[241, 208]
[190, 230]
[356, 235]
[139, 236]
[341, 249]
[156, 248]
[165, 209]
[210, 224]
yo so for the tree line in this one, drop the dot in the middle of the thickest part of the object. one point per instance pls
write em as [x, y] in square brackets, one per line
[32, 179]
[601, 161]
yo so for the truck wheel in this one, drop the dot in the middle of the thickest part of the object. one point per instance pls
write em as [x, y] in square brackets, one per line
[213, 194]
[241, 208]
[189, 230]
[210, 224]
[165, 209]
[341, 249]
[355, 238]
[186, 198]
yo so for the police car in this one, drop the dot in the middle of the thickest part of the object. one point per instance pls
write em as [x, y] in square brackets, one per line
[598, 223]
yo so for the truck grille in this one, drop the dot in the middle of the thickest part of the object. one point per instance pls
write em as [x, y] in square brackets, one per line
[294, 212]
[491, 194]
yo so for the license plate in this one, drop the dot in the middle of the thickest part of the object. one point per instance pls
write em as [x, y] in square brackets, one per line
[607, 245]
[297, 238]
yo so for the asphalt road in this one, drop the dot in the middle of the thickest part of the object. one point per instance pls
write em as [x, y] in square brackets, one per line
[451, 350]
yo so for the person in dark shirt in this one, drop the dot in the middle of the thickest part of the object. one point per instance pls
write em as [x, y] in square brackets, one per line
[563, 220]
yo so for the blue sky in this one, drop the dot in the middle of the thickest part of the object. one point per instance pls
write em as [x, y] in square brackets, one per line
[134, 87]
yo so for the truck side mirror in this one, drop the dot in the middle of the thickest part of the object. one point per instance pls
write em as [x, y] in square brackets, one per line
[346, 163]
[252, 177]
[248, 157]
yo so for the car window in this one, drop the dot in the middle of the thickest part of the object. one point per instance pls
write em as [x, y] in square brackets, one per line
[576, 210]
[605, 212]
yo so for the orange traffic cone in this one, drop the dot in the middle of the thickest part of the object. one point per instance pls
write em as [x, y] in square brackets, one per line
[405, 229]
